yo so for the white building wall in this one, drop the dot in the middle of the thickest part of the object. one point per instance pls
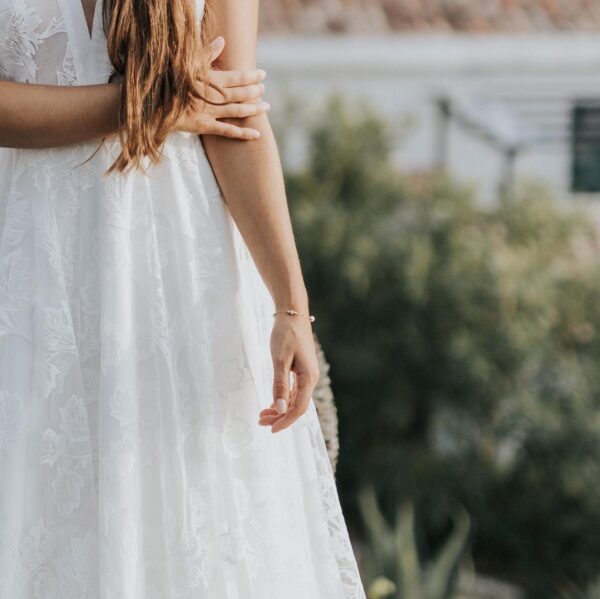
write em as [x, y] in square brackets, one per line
[536, 78]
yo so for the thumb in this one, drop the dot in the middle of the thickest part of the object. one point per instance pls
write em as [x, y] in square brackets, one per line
[216, 47]
[281, 386]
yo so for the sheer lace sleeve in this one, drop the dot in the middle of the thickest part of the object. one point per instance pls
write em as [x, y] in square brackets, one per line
[26, 28]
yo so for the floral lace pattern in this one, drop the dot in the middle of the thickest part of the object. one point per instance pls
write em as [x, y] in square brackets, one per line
[22, 35]
[68, 75]
[134, 360]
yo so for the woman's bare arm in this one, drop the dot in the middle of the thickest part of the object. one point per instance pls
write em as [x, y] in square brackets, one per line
[251, 179]
[45, 116]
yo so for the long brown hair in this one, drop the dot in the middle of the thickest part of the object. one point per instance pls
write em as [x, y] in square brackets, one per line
[156, 45]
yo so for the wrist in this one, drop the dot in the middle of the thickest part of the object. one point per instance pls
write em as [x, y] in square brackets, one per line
[292, 299]
[311, 317]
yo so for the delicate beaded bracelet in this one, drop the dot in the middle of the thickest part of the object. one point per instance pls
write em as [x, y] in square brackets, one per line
[294, 313]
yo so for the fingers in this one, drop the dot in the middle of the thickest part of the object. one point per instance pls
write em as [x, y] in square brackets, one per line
[231, 131]
[205, 120]
[240, 110]
[270, 415]
[281, 378]
[243, 93]
[215, 48]
[221, 96]
[300, 403]
[240, 78]
[305, 380]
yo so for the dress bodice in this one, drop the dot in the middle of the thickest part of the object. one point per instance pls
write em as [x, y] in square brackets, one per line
[48, 41]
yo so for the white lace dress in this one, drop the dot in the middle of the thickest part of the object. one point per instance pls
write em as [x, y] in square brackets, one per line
[134, 361]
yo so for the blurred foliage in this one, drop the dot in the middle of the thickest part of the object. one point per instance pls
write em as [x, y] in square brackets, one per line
[395, 554]
[593, 591]
[464, 345]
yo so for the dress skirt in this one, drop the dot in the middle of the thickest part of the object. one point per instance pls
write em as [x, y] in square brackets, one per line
[134, 362]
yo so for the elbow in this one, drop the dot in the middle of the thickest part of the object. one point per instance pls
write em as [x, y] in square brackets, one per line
[20, 140]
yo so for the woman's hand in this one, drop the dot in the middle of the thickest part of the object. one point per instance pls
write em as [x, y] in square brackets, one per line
[243, 90]
[292, 349]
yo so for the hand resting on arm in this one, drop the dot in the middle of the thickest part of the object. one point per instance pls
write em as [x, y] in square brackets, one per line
[45, 116]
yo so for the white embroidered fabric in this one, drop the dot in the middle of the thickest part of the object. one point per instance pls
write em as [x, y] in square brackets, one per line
[134, 361]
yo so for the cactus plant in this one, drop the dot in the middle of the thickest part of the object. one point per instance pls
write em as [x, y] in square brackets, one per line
[395, 553]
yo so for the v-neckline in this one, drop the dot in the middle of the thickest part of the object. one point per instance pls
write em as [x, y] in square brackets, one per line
[92, 64]
[83, 18]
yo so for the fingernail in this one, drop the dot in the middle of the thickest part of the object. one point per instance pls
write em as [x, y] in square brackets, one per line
[255, 134]
[281, 406]
[262, 87]
[262, 74]
[266, 106]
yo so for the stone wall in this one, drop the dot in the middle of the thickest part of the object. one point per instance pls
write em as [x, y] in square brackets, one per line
[385, 16]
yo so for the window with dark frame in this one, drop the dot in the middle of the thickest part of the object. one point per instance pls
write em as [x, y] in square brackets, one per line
[585, 130]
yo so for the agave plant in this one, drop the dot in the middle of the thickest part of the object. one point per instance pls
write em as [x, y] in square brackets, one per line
[593, 591]
[395, 553]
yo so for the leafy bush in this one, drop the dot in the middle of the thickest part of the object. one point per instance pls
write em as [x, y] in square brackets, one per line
[465, 352]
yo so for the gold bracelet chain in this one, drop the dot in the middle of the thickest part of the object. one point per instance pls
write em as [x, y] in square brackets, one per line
[295, 313]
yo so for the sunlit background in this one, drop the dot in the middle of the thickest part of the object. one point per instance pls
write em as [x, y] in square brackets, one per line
[443, 169]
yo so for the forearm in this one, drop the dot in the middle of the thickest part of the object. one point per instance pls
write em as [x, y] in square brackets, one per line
[42, 116]
[251, 179]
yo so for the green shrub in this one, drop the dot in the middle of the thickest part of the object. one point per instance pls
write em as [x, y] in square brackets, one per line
[465, 350]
